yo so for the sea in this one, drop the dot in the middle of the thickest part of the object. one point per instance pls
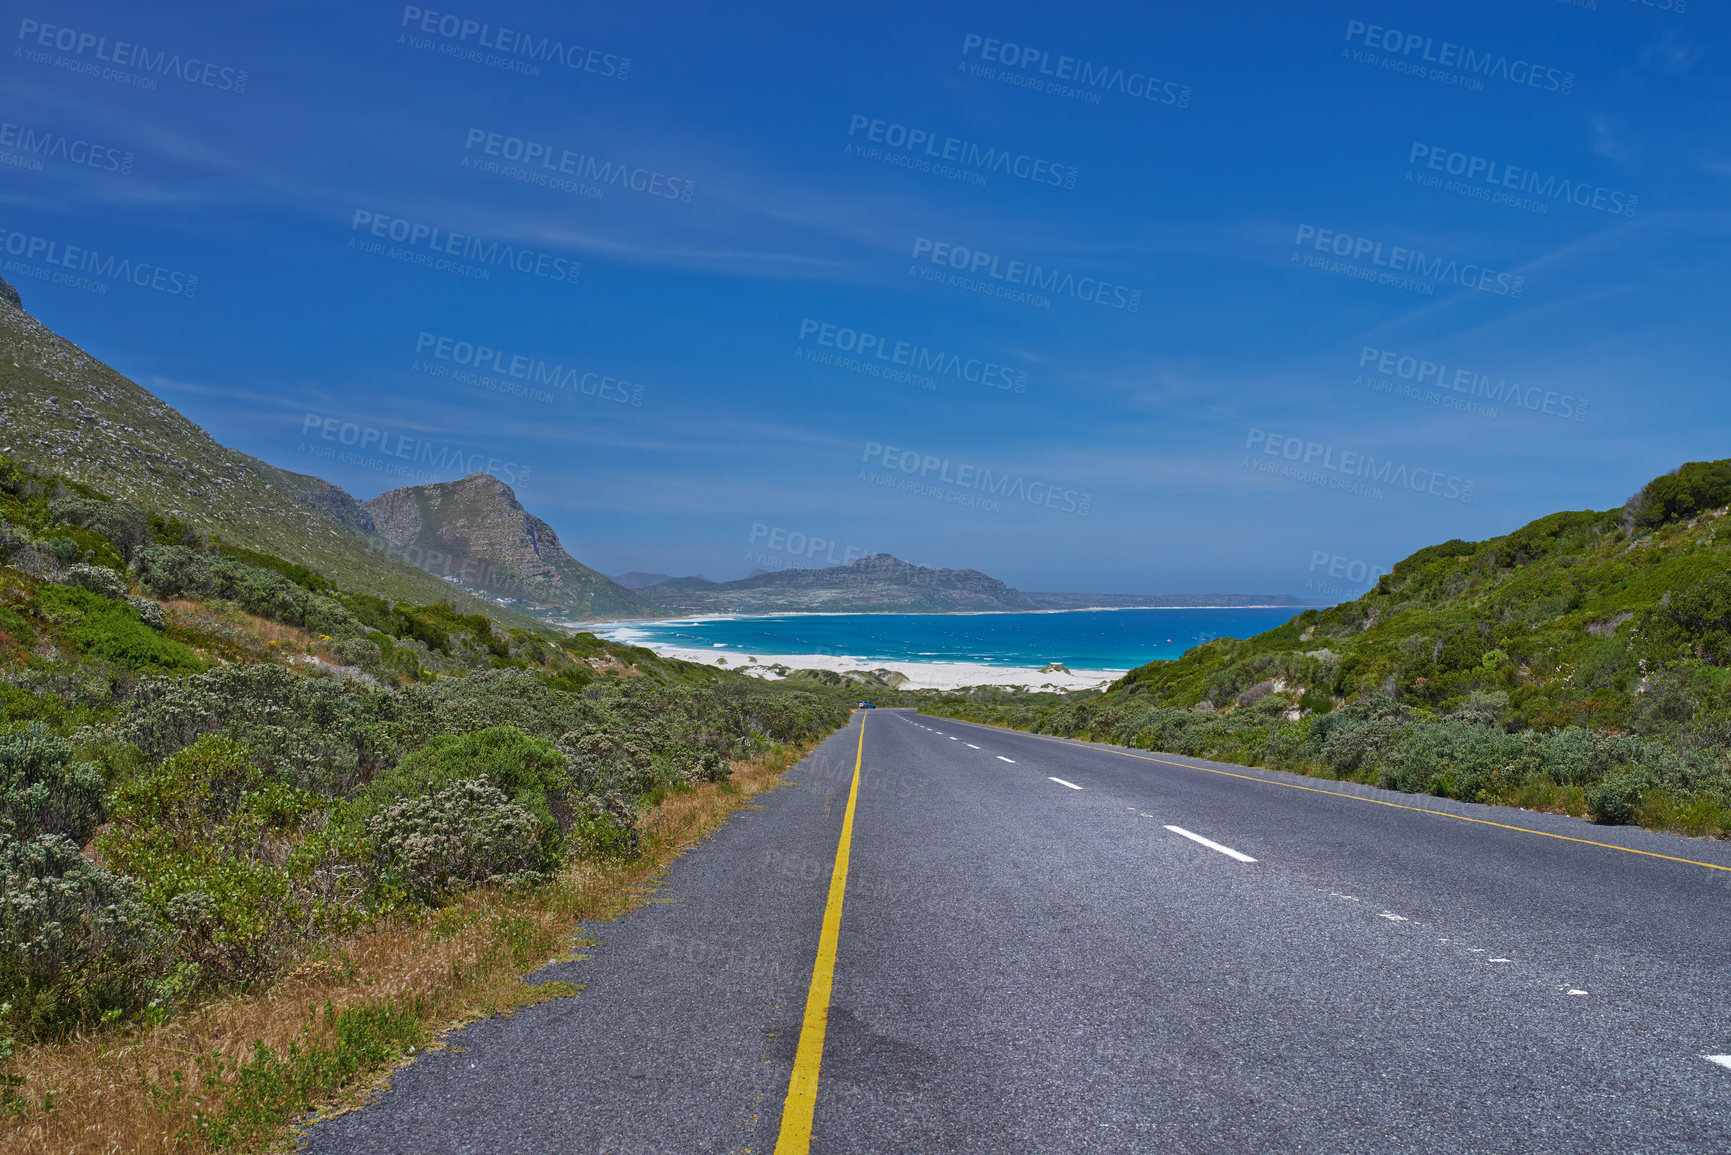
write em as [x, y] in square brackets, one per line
[1118, 639]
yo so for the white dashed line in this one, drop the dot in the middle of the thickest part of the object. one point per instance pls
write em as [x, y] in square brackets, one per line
[1061, 782]
[1011, 761]
[1393, 917]
[1579, 991]
[1722, 1060]
[1211, 844]
[970, 745]
[953, 739]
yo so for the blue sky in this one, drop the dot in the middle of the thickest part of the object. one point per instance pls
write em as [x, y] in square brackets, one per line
[1255, 292]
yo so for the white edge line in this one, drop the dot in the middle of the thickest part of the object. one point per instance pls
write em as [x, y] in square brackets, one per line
[1211, 844]
[1061, 782]
[1011, 761]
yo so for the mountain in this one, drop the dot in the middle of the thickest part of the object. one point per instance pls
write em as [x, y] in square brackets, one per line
[475, 533]
[636, 579]
[1615, 619]
[65, 412]
[876, 584]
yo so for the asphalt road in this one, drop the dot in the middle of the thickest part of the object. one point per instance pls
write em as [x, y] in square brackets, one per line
[1052, 946]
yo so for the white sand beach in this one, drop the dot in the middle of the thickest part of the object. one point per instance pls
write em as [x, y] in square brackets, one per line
[919, 675]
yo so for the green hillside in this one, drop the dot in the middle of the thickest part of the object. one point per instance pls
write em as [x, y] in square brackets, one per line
[1581, 618]
[65, 412]
[215, 762]
[1582, 662]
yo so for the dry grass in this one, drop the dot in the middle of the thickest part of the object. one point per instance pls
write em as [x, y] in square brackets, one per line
[160, 1089]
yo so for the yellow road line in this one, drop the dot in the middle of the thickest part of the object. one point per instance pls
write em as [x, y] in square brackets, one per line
[1362, 798]
[796, 1112]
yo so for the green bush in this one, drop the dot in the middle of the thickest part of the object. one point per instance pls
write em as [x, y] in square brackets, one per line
[315, 733]
[45, 790]
[125, 525]
[461, 835]
[527, 771]
[1616, 800]
[98, 579]
[173, 571]
[603, 761]
[237, 864]
[1690, 489]
[111, 631]
[75, 941]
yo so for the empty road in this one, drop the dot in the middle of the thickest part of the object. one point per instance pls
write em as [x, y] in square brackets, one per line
[1053, 946]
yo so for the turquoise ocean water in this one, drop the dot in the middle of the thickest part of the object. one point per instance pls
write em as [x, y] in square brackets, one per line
[1080, 639]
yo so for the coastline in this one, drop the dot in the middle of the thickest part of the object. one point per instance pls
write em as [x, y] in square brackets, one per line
[675, 619]
[954, 658]
[919, 675]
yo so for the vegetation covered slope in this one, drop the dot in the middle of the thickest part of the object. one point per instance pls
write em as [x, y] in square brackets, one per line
[212, 759]
[1582, 661]
[63, 411]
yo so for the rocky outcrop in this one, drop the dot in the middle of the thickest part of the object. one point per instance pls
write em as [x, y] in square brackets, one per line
[474, 533]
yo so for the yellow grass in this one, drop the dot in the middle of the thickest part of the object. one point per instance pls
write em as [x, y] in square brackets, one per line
[145, 1090]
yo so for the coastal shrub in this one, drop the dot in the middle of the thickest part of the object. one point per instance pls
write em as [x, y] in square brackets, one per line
[604, 825]
[126, 526]
[175, 571]
[98, 579]
[111, 631]
[603, 761]
[463, 834]
[1684, 492]
[1616, 800]
[1692, 622]
[44, 789]
[75, 941]
[316, 733]
[231, 860]
[529, 772]
[149, 612]
[496, 697]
